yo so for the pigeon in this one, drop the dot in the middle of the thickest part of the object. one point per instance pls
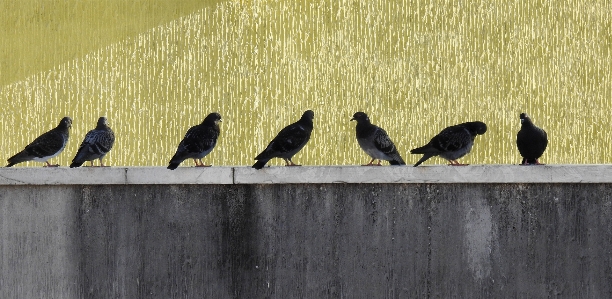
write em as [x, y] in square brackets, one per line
[46, 146]
[97, 143]
[288, 142]
[531, 141]
[375, 141]
[198, 142]
[452, 143]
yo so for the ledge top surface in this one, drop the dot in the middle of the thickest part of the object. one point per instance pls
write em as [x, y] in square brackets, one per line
[495, 173]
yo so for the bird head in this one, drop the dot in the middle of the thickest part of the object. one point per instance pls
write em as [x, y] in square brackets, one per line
[360, 117]
[525, 117]
[102, 122]
[66, 122]
[477, 127]
[213, 118]
[308, 114]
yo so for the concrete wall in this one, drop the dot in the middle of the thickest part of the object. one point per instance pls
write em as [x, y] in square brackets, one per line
[310, 240]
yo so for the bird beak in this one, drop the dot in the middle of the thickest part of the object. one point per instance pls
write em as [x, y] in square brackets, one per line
[352, 119]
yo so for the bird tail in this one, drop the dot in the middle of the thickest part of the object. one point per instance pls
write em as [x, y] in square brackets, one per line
[397, 159]
[76, 164]
[260, 164]
[423, 159]
[173, 165]
[425, 149]
[397, 162]
[177, 159]
[18, 158]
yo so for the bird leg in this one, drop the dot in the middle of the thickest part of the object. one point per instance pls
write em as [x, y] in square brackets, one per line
[370, 164]
[50, 165]
[379, 163]
[288, 162]
[102, 164]
[455, 163]
[201, 164]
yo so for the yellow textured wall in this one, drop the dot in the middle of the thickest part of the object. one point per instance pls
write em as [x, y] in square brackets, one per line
[155, 68]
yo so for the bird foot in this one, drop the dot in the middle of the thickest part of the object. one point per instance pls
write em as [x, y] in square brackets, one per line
[531, 164]
[292, 164]
[203, 165]
[527, 163]
[51, 165]
[455, 163]
[372, 163]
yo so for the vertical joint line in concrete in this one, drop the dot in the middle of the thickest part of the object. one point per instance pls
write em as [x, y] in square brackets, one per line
[233, 175]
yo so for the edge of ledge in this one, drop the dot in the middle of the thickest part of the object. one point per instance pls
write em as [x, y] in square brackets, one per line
[495, 173]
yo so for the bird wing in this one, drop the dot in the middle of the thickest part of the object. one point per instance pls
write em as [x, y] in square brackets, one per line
[290, 138]
[46, 144]
[452, 138]
[383, 143]
[96, 143]
[199, 139]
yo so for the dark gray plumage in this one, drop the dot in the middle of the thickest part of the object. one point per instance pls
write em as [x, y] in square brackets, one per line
[97, 143]
[198, 142]
[289, 141]
[531, 141]
[46, 146]
[375, 141]
[452, 143]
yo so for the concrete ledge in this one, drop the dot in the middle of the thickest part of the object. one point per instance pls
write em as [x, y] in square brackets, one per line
[62, 176]
[307, 174]
[426, 174]
[181, 175]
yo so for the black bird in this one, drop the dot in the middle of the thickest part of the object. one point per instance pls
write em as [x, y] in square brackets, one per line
[452, 143]
[198, 142]
[97, 143]
[288, 142]
[531, 141]
[46, 146]
[375, 141]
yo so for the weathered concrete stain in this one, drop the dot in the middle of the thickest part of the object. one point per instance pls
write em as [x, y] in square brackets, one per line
[478, 227]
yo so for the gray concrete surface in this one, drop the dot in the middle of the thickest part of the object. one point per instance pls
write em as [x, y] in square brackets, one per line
[306, 240]
[307, 175]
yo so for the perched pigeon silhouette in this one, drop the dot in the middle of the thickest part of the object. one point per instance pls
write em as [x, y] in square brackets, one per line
[531, 141]
[452, 143]
[288, 142]
[46, 146]
[97, 143]
[198, 142]
[375, 141]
